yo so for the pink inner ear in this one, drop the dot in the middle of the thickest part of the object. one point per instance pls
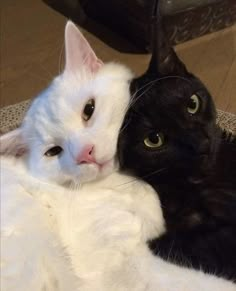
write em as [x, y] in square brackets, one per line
[96, 66]
[13, 144]
[79, 54]
[20, 152]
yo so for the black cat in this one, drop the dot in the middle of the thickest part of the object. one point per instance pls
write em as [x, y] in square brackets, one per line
[171, 140]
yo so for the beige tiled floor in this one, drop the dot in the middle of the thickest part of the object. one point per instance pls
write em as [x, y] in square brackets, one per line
[32, 53]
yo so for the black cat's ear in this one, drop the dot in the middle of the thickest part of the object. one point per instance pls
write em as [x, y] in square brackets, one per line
[164, 60]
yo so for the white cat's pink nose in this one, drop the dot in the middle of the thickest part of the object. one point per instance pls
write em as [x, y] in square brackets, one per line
[86, 155]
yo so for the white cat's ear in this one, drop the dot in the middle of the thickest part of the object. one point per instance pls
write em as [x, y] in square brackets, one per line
[12, 143]
[79, 53]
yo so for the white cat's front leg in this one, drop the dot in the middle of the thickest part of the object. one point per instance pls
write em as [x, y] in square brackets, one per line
[156, 274]
[147, 208]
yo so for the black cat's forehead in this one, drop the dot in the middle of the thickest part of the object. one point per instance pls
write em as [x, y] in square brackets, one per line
[158, 101]
[166, 91]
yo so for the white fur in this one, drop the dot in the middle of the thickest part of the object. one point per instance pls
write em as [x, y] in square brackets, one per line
[102, 226]
[32, 257]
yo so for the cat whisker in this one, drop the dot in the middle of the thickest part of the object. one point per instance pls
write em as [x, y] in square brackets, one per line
[134, 99]
[60, 58]
[170, 250]
[124, 127]
[142, 177]
[151, 83]
[154, 172]
[144, 86]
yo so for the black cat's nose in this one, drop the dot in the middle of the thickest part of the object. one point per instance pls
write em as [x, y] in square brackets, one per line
[197, 146]
[204, 147]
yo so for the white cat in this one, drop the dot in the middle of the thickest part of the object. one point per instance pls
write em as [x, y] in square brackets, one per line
[68, 138]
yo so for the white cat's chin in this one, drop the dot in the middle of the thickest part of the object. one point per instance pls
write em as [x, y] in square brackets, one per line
[91, 172]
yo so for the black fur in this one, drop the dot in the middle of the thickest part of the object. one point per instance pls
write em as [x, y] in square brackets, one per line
[193, 172]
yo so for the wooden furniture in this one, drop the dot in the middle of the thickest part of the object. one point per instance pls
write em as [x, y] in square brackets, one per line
[185, 19]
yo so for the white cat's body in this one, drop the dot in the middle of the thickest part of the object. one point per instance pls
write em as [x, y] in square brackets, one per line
[32, 256]
[102, 228]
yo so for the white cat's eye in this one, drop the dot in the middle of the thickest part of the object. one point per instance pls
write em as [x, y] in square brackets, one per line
[193, 104]
[54, 151]
[88, 109]
[154, 140]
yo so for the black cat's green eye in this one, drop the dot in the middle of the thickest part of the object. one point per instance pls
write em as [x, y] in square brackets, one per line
[88, 110]
[54, 151]
[154, 140]
[193, 104]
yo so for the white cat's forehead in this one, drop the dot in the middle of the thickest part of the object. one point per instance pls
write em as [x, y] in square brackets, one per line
[60, 106]
[110, 79]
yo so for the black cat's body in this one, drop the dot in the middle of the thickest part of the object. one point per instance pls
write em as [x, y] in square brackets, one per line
[193, 172]
[201, 217]
[171, 140]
